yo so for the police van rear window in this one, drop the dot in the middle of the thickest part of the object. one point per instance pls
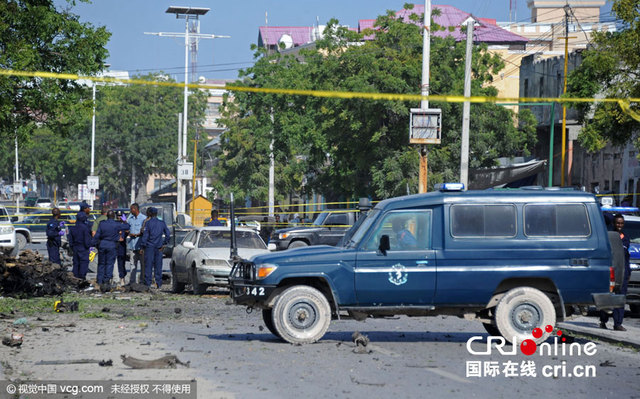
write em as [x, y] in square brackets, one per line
[483, 220]
[559, 220]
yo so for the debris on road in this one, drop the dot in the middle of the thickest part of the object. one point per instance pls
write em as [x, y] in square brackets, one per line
[361, 342]
[30, 275]
[102, 363]
[61, 306]
[165, 362]
[13, 340]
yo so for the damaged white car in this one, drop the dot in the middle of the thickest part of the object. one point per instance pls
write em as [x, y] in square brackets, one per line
[202, 258]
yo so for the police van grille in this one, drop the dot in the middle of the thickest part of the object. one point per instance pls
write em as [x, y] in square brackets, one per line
[245, 271]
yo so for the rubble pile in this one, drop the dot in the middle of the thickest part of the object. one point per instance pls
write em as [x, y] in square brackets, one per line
[31, 275]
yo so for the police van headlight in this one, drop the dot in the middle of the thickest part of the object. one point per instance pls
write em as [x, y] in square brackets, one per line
[282, 236]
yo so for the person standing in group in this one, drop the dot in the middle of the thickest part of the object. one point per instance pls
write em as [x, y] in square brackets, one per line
[106, 238]
[214, 219]
[135, 220]
[80, 242]
[55, 230]
[618, 313]
[101, 218]
[121, 249]
[153, 243]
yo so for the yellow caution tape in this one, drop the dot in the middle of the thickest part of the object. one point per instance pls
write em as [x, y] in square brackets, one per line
[624, 103]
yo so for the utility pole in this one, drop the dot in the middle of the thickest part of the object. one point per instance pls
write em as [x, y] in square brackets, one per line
[16, 183]
[188, 13]
[466, 108]
[564, 107]
[425, 123]
[272, 172]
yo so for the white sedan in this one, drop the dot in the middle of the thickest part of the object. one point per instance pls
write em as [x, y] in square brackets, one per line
[202, 258]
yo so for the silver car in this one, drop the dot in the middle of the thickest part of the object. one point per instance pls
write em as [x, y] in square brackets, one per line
[202, 258]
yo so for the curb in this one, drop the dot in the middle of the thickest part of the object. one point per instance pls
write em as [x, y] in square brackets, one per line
[600, 337]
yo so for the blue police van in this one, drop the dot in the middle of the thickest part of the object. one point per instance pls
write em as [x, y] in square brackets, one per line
[515, 260]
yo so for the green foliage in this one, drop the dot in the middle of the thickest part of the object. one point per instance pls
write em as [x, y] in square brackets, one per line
[610, 67]
[358, 147]
[136, 132]
[35, 36]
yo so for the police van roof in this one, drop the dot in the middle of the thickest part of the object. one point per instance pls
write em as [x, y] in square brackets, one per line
[484, 196]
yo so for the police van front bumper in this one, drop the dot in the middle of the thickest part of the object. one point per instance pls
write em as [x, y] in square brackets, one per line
[608, 301]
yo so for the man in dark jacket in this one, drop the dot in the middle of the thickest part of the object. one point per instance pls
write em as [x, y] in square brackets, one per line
[55, 229]
[80, 242]
[618, 314]
[106, 238]
[153, 242]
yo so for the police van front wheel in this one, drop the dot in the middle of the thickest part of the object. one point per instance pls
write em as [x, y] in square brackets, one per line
[301, 315]
[520, 311]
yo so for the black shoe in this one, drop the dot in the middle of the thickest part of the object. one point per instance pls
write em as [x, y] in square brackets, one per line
[603, 326]
[619, 328]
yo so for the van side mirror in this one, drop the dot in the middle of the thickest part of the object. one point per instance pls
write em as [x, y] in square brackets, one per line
[384, 245]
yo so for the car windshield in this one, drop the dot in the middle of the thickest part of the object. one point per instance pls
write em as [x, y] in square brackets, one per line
[632, 229]
[320, 219]
[359, 229]
[43, 200]
[222, 239]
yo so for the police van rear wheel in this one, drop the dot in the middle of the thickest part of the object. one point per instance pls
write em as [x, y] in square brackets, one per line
[301, 315]
[520, 311]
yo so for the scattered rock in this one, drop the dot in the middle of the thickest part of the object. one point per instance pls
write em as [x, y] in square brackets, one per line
[166, 362]
[13, 340]
[177, 310]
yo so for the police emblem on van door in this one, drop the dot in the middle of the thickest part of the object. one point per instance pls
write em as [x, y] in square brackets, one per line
[399, 274]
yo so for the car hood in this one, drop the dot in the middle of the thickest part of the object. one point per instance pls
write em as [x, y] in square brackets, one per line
[298, 229]
[224, 253]
[304, 254]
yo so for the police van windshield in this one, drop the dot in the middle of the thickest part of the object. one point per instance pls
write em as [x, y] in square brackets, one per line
[360, 228]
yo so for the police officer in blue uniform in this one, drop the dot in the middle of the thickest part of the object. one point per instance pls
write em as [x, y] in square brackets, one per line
[80, 242]
[55, 230]
[152, 241]
[106, 239]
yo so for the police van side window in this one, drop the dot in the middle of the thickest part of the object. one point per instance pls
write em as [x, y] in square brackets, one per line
[483, 220]
[407, 231]
[561, 220]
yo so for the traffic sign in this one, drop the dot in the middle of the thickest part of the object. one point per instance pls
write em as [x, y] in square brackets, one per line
[93, 182]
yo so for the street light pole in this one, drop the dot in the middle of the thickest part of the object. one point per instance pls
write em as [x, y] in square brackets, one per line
[18, 192]
[188, 13]
[93, 141]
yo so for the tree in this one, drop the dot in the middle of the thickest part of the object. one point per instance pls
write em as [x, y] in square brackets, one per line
[136, 132]
[346, 148]
[610, 67]
[35, 36]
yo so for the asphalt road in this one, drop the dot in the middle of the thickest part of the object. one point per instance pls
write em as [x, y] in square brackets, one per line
[231, 354]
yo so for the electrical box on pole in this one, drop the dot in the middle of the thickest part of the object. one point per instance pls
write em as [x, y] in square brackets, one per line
[425, 126]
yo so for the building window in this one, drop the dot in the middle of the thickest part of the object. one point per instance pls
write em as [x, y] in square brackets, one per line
[160, 183]
[526, 87]
[541, 89]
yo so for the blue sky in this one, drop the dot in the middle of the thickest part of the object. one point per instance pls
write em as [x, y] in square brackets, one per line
[130, 49]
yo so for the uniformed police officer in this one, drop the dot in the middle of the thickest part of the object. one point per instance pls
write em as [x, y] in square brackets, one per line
[153, 243]
[80, 242]
[55, 229]
[107, 236]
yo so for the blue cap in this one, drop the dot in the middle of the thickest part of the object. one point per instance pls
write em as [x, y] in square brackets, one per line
[153, 210]
[84, 206]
